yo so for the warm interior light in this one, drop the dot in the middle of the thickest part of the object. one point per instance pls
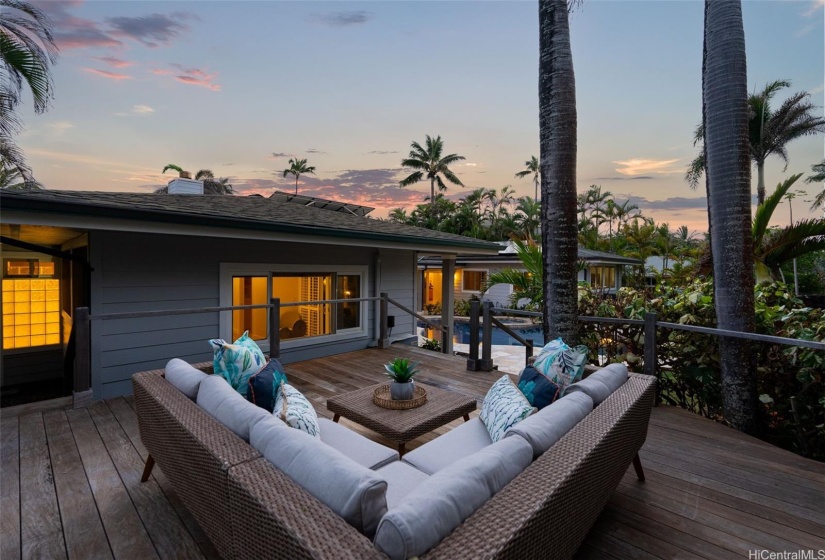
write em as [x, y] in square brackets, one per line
[31, 312]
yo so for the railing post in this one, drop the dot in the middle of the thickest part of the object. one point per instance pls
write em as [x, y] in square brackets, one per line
[528, 352]
[82, 394]
[275, 328]
[650, 349]
[447, 339]
[486, 362]
[472, 361]
[383, 337]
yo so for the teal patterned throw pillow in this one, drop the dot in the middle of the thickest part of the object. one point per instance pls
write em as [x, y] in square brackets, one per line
[504, 407]
[237, 362]
[293, 408]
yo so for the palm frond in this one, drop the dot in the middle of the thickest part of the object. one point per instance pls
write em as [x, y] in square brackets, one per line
[414, 164]
[695, 170]
[764, 212]
[412, 179]
[450, 176]
[449, 160]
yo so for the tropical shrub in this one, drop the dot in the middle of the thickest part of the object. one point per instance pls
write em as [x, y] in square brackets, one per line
[790, 378]
[431, 344]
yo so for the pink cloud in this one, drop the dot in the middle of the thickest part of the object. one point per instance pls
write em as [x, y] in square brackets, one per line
[115, 62]
[190, 76]
[109, 75]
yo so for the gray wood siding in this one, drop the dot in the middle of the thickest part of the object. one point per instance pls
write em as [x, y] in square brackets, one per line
[143, 272]
[398, 280]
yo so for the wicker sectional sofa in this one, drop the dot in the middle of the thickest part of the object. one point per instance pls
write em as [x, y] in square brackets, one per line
[250, 509]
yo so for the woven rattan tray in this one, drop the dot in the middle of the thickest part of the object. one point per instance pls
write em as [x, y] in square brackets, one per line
[381, 397]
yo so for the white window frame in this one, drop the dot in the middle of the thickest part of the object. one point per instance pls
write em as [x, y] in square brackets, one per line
[465, 270]
[230, 270]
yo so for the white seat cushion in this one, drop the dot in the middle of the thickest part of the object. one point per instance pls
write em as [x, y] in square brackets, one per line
[544, 428]
[355, 446]
[600, 384]
[401, 480]
[442, 502]
[462, 441]
[351, 490]
[227, 406]
[184, 377]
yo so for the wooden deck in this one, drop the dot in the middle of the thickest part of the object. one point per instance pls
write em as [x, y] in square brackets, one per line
[70, 481]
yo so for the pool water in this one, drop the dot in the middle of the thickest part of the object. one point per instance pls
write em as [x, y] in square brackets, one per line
[500, 338]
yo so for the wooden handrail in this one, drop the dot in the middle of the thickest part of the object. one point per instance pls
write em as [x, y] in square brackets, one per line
[442, 328]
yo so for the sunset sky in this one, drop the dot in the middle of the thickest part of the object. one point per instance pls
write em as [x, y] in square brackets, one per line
[240, 87]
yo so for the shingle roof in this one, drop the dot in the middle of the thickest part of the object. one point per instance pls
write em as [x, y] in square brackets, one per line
[242, 212]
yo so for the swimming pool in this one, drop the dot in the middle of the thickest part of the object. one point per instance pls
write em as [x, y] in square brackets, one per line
[500, 338]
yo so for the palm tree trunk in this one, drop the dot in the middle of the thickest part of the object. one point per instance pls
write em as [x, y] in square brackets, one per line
[296, 184]
[432, 197]
[760, 182]
[725, 116]
[557, 131]
[536, 190]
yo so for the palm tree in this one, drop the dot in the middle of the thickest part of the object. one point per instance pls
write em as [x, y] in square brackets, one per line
[12, 180]
[725, 126]
[531, 168]
[213, 185]
[773, 248]
[430, 164]
[298, 167]
[529, 217]
[27, 51]
[557, 133]
[769, 131]
[526, 285]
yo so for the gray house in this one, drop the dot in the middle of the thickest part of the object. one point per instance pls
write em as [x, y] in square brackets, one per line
[131, 252]
[602, 270]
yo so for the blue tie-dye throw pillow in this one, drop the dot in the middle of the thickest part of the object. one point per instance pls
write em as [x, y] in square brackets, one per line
[292, 407]
[539, 390]
[504, 407]
[265, 385]
[237, 362]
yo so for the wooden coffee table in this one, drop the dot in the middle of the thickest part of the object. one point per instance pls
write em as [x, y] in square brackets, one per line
[401, 426]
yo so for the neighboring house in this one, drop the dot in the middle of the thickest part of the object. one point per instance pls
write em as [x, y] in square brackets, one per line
[602, 270]
[133, 252]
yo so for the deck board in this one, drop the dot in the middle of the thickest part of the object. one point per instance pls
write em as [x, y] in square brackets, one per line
[85, 537]
[41, 531]
[9, 488]
[710, 492]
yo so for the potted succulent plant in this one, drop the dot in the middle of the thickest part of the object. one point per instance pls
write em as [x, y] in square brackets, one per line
[401, 371]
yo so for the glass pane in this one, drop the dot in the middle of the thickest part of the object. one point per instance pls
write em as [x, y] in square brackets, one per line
[303, 320]
[349, 314]
[249, 290]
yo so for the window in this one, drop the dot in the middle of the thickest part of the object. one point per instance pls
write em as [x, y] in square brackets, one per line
[31, 303]
[603, 276]
[256, 284]
[474, 280]
[349, 314]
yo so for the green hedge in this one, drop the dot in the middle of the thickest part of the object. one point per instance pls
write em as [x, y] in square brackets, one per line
[790, 378]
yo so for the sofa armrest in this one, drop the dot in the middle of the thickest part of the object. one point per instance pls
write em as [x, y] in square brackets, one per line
[287, 521]
[550, 507]
[193, 449]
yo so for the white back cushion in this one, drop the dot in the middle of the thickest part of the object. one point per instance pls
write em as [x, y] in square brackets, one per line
[600, 384]
[227, 406]
[442, 502]
[351, 490]
[184, 377]
[544, 428]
